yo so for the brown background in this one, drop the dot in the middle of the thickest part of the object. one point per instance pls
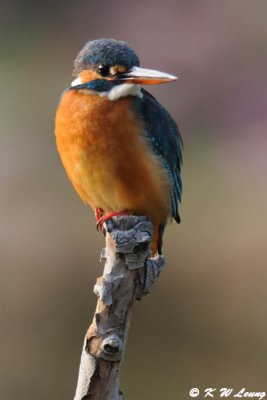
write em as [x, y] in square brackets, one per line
[205, 323]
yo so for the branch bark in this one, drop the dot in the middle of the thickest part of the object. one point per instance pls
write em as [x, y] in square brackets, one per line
[128, 275]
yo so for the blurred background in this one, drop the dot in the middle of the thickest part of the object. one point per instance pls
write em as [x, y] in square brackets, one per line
[205, 322]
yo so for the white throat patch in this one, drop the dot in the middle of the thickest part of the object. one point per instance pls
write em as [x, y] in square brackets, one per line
[123, 90]
[76, 81]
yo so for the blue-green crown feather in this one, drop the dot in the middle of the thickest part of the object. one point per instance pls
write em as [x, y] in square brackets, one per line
[107, 52]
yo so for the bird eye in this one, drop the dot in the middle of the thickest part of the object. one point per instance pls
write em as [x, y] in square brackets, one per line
[103, 70]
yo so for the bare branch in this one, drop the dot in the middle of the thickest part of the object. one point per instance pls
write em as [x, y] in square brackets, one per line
[128, 275]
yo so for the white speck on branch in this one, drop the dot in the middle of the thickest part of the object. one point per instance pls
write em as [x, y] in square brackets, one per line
[128, 275]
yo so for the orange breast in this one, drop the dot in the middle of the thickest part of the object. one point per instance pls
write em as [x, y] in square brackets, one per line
[106, 157]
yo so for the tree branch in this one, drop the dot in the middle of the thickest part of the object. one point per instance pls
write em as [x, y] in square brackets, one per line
[128, 275]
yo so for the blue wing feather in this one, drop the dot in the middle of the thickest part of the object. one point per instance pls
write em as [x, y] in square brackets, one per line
[165, 140]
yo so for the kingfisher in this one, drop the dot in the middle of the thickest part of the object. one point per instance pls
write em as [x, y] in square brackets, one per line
[120, 148]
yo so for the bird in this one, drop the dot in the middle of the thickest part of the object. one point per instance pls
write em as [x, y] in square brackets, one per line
[121, 149]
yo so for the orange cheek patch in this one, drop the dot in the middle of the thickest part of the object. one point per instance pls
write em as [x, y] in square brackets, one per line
[118, 69]
[88, 75]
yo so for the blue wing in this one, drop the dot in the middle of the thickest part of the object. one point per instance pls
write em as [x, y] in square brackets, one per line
[164, 138]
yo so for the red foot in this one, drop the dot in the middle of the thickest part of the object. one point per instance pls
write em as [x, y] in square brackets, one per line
[106, 217]
[99, 212]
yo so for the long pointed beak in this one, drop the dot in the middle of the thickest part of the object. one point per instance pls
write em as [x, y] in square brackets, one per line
[145, 76]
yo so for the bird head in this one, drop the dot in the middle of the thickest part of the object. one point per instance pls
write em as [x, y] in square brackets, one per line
[110, 67]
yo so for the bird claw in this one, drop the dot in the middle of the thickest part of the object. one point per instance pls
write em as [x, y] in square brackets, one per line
[101, 218]
[99, 213]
